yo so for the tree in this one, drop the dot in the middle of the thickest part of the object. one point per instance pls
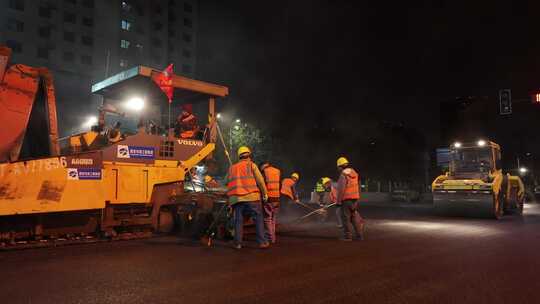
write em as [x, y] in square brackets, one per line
[243, 134]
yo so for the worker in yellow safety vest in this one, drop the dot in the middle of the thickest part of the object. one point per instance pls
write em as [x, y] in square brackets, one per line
[320, 190]
[272, 177]
[245, 189]
[347, 198]
[289, 196]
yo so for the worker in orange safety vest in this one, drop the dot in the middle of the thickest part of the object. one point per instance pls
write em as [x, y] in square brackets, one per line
[331, 187]
[289, 196]
[245, 189]
[272, 177]
[347, 198]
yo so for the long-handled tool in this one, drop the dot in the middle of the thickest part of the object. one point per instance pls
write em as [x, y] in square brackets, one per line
[319, 211]
[305, 206]
[223, 144]
[210, 232]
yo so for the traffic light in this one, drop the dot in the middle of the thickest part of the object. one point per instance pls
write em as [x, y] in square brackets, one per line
[505, 102]
[535, 96]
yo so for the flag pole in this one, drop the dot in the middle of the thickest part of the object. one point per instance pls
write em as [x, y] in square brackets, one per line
[169, 114]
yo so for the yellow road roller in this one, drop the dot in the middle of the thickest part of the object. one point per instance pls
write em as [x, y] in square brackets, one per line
[475, 184]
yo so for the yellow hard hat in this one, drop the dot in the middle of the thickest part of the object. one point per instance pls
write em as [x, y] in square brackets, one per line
[325, 180]
[295, 176]
[207, 178]
[243, 150]
[342, 161]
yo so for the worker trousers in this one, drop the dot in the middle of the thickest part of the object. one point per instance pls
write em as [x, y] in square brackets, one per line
[351, 219]
[270, 210]
[252, 210]
[339, 221]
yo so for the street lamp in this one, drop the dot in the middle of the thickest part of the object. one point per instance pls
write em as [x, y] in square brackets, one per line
[238, 120]
[218, 116]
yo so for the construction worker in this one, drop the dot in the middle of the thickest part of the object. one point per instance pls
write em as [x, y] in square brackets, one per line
[246, 187]
[271, 207]
[186, 123]
[347, 197]
[289, 196]
[331, 187]
[320, 190]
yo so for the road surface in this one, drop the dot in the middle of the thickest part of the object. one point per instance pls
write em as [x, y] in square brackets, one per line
[409, 256]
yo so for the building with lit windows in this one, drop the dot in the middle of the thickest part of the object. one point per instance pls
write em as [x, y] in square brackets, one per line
[84, 41]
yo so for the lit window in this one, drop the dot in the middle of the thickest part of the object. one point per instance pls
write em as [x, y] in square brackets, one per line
[125, 6]
[124, 44]
[538, 97]
[126, 25]
[123, 63]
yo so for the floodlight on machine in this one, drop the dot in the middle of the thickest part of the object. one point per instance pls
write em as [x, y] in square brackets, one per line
[135, 104]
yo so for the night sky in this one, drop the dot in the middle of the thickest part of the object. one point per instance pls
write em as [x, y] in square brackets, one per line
[321, 74]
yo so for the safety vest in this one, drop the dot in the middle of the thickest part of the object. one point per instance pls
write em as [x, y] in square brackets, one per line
[272, 178]
[287, 187]
[319, 187]
[352, 189]
[241, 179]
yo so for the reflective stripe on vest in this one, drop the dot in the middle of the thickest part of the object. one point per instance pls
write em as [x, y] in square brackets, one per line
[287, 187]
[241, 180]
[352, 189]
[272, 177]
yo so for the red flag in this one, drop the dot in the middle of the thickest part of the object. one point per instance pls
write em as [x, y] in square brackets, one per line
[164, 81]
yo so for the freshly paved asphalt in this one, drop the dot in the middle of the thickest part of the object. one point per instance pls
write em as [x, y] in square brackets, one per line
[409, 256]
